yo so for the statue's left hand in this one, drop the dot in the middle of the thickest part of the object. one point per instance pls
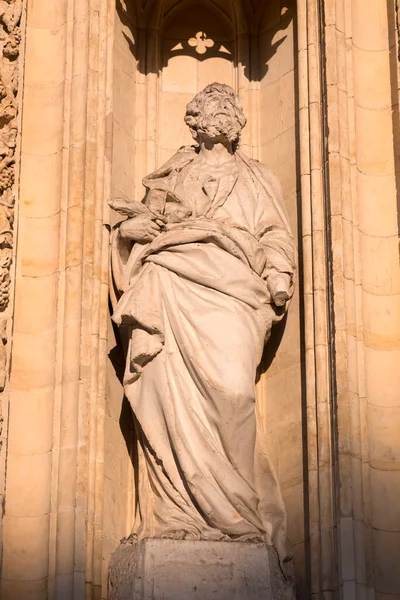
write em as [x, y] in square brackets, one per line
[142, 228]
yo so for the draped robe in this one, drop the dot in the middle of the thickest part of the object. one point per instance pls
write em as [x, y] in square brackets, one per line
[198, 309]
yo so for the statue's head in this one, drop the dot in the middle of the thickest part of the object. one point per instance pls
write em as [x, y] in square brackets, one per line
[216, 112]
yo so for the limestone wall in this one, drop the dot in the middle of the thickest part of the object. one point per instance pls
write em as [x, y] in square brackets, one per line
[362, 75]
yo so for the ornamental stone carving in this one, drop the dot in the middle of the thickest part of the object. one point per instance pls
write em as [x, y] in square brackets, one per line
[10, 38]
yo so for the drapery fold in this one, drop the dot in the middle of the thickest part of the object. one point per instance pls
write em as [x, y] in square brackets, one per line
[198, 307]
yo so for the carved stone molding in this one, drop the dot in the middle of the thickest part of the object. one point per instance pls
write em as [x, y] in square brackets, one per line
[10, 39]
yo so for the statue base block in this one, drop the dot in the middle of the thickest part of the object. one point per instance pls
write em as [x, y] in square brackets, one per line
[165, 569]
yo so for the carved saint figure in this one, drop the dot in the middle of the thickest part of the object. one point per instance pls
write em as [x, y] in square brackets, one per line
[203, 268]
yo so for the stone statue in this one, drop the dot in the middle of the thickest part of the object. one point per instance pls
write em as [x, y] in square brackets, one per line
[202, 270]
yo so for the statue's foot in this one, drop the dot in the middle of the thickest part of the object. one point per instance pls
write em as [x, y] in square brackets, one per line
[177, 534]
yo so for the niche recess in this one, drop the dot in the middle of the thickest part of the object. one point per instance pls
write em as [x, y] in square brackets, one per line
[166, 51]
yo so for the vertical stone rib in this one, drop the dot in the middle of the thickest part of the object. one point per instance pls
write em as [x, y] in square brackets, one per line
[73, 279]
[315, 257]
[102, 95]
[305, 173]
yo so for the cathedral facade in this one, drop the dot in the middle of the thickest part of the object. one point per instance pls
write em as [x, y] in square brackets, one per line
[93, 96]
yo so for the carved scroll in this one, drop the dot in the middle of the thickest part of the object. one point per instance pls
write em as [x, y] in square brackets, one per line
[10, 38]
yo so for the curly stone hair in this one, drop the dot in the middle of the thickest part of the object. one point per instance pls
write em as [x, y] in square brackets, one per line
[217, 112]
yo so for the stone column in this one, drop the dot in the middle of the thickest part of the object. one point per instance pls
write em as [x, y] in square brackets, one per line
[375, 88]
[27, 520]
[351, 498]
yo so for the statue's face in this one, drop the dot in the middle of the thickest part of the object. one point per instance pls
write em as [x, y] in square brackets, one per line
[217, 119]
[216, 114]
[217, 105]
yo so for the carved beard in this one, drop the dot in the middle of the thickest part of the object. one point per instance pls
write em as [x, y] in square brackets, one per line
[220, 127]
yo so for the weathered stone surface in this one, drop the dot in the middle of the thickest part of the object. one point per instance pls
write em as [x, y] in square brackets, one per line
[158, 569]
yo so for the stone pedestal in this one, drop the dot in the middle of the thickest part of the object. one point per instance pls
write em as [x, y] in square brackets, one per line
[163, 569]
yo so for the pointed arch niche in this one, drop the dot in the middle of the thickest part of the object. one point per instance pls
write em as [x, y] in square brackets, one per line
[165, 51]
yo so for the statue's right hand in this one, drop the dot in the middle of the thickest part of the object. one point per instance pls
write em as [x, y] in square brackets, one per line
[141, 228]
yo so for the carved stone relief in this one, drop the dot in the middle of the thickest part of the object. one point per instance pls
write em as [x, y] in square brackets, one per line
[10, 39]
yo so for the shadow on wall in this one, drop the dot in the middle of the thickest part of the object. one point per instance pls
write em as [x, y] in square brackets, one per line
[204, 40]
[126, 420]
[393, 8]
[271, 348]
